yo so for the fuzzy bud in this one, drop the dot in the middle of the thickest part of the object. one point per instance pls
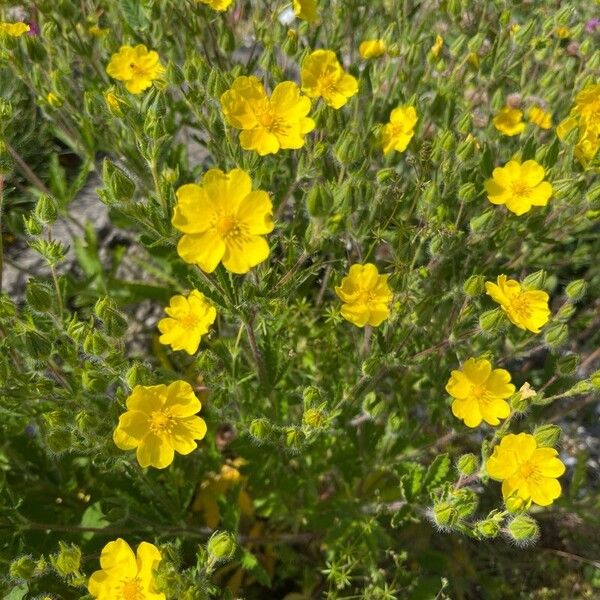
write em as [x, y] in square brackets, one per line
[576, 289]
[556, 334]
[46, 209]
[467, 464]
[444, 514]
[488, 528]
[221, 545]
[523, 529]
[22, 568]
[68, 559]
[547, 436]
[314, 418]
[260, 429]
[474, 286]
[491, 320]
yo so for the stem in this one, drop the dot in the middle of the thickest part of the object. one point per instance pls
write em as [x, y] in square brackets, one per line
[1, 238]
[256, 353]
[58, 292]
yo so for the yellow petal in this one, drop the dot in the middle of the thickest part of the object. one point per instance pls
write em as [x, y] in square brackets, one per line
[205, 250]
[154, 451]
[241, 256]
[147, 398]
[194, 211]
[181, 400]
[477, 370]
[133, 426]
[117, 556]
[255, 213]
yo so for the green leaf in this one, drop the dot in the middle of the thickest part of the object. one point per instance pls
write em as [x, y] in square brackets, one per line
[437, 472]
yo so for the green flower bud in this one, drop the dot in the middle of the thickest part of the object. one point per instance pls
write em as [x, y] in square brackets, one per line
[535, 281]
[474, 286]
[487, 528]
[467, 464]
[314, 417]
[467, 192]
[556, 334]
[68, 559]
[565, 312]
[581, 387]
[481, 223]
[39, 295]
[319, 201]
[523, 529]
[260, 429]
[94, 343]
[516, 504]
[294, 437]
[466, 149]
[118, 186]
[221, 545]
[32, 226]
[59, 441]
[595, 379]
[576, 289]
[444, 514]
[491, 320]
[22, 568]
[566, 365]
[547, 436]
[46, 209]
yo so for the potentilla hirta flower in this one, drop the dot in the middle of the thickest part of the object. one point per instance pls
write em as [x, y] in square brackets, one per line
[526, 471]
[13, 29]
[586, 116]
[223, 221]
[527, 309]
[540, 117]
[436, 49]
[480, 393]
[372, 49]
[136, 67]
[366, 296]
[189, 318]
[124, 576]
[267, 124]
[160, 420]
[509, 121]
[519, 186]
[324, 77]
[305, 9]
[396, 134]
[220, 5]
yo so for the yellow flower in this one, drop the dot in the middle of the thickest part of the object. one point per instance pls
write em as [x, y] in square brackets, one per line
[399, 131]
[562, 32]
[372, 48]
[97, 32]
[519, 186]
[587, 106]
[305, 9]
[267, 124]
[540, 117]
[160, 420]
[480, 392]
[53, 100]
[526, 471]
[123, 575]
[189, 319]
[13, 29]
[217, 485]
[113, 102]
[527, 309]
[509, 121]
[220, 5]
[436, 49]
[366, 296]
[136, 67]
[222, 219]
[323, 76]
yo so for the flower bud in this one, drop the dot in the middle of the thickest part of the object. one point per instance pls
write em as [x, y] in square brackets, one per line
[523, 529]
[22, 568]
[260, 429]
[59, 441]
[294, 437]
[491, 320]
[32, 225]
[488, 528]
[444, 514]
[467, 464]
[314, 417]
[46, 209]
[515, 504]
[318, 201]
[556, 334]
[221, 545]
[595, 379]
[567, 365]
[474, 286]
[576, 289]
[68, 559]
[535, 281]
[467, 192]
[581, 387]
[480, 223]
[547, 436]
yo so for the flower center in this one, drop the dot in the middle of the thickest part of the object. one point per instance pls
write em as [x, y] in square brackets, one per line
[189, 321]
[529, 471]
[270, 120]
[520, 189]
[228, 226]
[520, 306]
[160, 422]
[367, 297]
[479, 391]
[132, 590]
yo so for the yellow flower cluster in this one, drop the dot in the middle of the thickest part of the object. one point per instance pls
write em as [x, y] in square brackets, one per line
[136, 67]
[305, 9]
[585, 115]
[509, 121]
[372, 49]
[13, 29]
[396, 134]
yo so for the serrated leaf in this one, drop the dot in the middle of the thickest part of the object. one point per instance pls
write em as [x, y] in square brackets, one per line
[437, 472]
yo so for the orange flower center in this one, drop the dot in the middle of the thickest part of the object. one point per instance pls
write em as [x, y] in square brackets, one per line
[270, 120]
[327, 81]
[520, 306]
[520, 189]
[132, 590]
[228, 226]
[479, 392]
[189, 321]
[529, 471]
[160, 422]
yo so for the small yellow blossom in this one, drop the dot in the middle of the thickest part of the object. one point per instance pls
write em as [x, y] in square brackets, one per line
[267, 124]
[436, 49]
[540, 117]
[123, 576]
[13, 29]
[480, 393]
[97, 31]
[396, 134]
[526, 471]
[53, 100]
[305, 9]
[136, 67]
[160, 420]
[372, 49]
[527, 309]
[562, 32]
[220, 5]
[219, 484]
[366, 296]
[324, 77]
[113, 102]
[519, 186]
[223, 220]
[509, 121]
[189, 318]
